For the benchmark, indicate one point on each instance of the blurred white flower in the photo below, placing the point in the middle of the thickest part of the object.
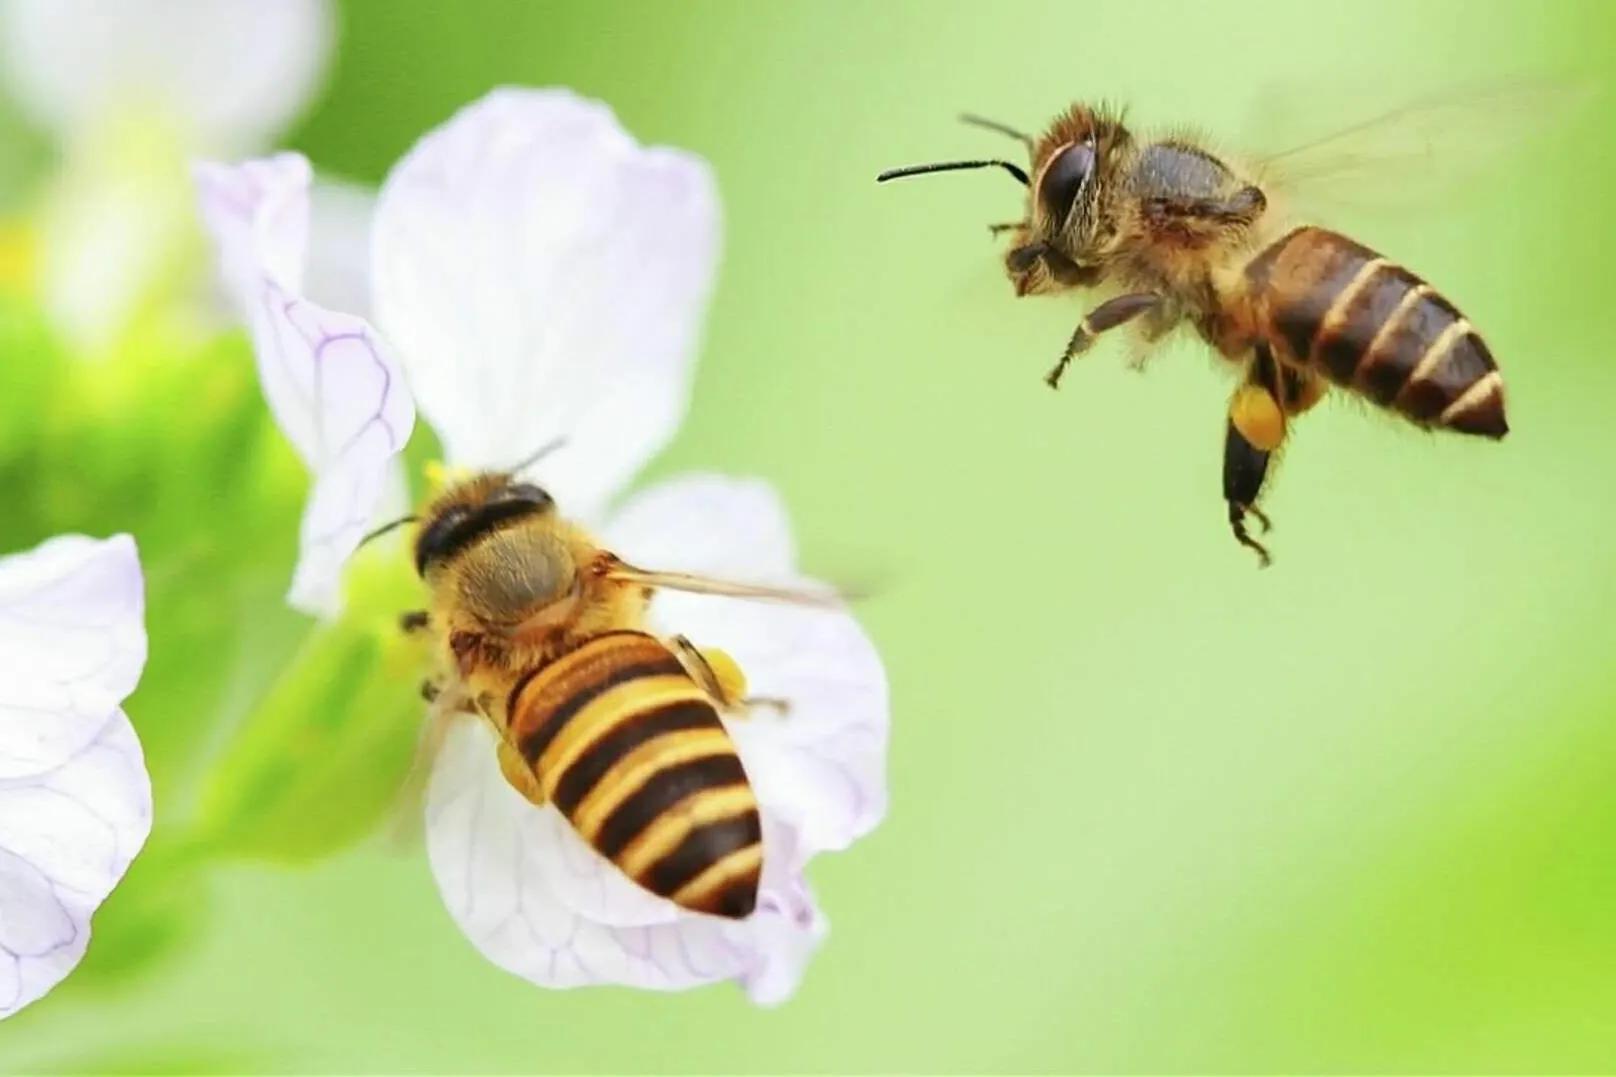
(130, 90)
(541, 276)
(75, 800)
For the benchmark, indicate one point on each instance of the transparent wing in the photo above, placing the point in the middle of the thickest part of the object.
(1409, 154)
(699, 584)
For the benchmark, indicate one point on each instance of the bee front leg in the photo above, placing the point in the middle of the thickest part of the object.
(1108, 315)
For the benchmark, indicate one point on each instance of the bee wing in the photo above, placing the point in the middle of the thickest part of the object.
(698, 584)
(406, 827)
(1410, 154)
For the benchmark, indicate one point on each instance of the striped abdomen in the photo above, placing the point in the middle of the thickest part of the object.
(631, 751)
(1328, 303)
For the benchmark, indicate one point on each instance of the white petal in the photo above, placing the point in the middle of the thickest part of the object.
(732, 528)
(330, 380)
(66, 837)
(258, 215)
(819, 768)
(543, 276)
(339, 245)
(512, 878)
(72, 645)
(230, 72)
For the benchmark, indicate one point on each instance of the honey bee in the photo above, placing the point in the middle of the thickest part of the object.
(1177, 234)
(542, 633)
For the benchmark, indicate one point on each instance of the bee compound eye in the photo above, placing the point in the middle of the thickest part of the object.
(437, 538)
(1064, 179)
(525, 493)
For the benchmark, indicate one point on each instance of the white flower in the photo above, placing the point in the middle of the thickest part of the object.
(540, 275)
(75, 799)
(129, 90)
(333, 384)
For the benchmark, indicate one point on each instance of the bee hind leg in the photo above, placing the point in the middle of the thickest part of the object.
(519, 774)
(717, 673)
(1237, 524)
(1255, 430)
(720, 676)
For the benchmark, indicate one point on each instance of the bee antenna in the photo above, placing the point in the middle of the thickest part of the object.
(951, 166)
(994, 125)
(389, 526)
(538, 454)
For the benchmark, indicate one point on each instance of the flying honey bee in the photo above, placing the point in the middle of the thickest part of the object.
(1176, 234)
(542, 633)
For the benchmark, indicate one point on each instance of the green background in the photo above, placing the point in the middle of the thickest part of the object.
(1152, 809)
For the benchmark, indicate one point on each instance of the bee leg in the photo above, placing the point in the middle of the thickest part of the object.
(414, 621)
(1108, 315)
(714, 670)
(1244, 467)
(1256, 429)
(519, 774)
(1007, 226)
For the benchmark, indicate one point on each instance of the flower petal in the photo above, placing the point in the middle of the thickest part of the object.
(503, 867)
(72, 645)
(66, 837)
(820, 767)
(331, 382)
(727, 527)
(544, 277)
(339, 245)
(72, 63)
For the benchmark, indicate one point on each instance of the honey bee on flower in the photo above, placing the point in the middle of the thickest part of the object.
(653, 760)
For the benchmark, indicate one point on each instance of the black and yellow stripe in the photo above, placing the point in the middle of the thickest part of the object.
(1337, 307)
(631, 751)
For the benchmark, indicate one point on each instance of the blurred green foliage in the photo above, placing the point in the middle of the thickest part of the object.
(1152, 810)
(321, 760)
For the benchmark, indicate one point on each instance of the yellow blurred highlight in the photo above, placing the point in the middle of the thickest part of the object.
(19, 256)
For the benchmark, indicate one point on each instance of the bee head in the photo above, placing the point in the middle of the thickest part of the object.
(495, 544)
(1064, 227)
